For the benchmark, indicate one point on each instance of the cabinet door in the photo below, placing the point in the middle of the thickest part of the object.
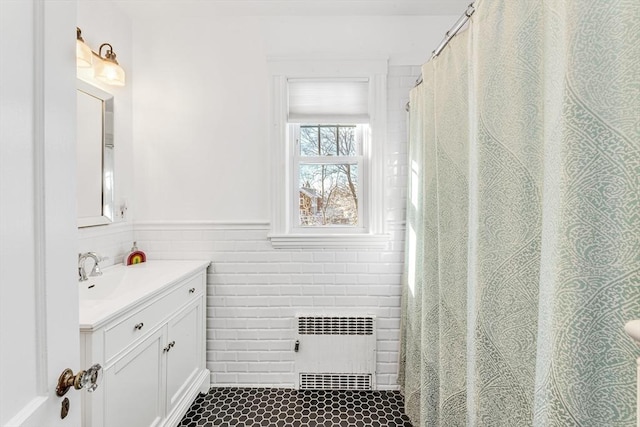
(184, 358)
(133, 386)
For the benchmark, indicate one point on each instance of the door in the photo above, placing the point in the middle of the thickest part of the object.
(38, 239)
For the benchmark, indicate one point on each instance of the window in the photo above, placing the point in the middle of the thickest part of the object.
(328, 167)
(327, 153)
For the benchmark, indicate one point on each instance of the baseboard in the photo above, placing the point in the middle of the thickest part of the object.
(201, 383)
(236, 385)
(289, 386)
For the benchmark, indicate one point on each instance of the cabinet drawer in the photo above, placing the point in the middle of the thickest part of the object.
(120, 335)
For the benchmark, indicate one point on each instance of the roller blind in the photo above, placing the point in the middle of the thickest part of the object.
(328, 100)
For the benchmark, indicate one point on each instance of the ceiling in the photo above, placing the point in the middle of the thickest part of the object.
(304, 7)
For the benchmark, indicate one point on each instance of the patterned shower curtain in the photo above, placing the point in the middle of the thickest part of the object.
(523, 220)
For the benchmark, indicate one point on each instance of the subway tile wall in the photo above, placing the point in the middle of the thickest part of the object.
(111, 241)
(254, 291)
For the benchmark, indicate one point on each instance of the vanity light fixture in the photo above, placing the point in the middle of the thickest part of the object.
(108, 70)
(83, 52)
(105, 68)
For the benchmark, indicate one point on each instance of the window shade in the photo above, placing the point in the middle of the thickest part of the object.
(328, 101)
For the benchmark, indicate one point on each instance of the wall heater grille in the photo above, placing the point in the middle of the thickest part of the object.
(335, 325)
(336, 352)
(335, 382)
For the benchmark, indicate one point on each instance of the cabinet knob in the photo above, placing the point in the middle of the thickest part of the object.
(138, 326)
(192, 290)
(168, 347)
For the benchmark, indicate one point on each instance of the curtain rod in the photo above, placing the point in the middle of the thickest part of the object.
(451, 34)
(448, 36)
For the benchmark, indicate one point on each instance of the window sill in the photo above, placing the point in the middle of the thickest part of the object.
(329, 241)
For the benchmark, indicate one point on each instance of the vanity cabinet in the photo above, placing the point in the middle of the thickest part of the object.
(184, 332)
(133, 386)
(153, 358)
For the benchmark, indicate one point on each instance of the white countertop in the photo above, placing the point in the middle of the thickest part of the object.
(120, 287)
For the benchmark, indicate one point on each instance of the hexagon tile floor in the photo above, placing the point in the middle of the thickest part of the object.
(275, 407)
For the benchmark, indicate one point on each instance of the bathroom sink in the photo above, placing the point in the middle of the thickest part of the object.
(107, 286)
(119, 287)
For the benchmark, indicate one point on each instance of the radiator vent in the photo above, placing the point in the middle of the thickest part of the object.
(335, 382)
(335, 326)
(335, 352)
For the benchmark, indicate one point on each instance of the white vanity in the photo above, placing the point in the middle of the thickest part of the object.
(145, 324)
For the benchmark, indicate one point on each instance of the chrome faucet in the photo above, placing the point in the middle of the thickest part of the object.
(96, 268)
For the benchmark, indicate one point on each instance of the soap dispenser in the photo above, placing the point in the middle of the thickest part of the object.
(136, 256)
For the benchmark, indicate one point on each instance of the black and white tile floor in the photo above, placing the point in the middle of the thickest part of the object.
(272, 407)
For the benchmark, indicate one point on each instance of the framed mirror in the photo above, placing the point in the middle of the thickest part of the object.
(95, 198)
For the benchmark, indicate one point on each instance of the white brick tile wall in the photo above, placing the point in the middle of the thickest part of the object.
(111, 241)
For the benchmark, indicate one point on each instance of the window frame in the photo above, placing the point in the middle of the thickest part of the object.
(284, 207)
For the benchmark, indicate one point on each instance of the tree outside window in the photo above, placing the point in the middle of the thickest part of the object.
(328, 175)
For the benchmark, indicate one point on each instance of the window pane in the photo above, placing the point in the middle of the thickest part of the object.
(309, 141)
(328, 194)
(328, 140)
(347, 141)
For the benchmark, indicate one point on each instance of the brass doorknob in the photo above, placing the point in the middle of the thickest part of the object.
(90, 377)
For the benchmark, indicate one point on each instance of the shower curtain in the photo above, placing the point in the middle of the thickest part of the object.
(523, 220)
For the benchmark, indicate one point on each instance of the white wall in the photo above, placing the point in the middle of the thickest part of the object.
(102, 21)
(201, 173)
(201, 100)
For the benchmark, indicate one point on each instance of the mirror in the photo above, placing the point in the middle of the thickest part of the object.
(95, 156)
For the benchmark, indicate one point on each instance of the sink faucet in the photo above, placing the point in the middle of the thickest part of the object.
(96, 268)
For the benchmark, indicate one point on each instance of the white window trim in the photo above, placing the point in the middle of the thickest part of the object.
(284, 234)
